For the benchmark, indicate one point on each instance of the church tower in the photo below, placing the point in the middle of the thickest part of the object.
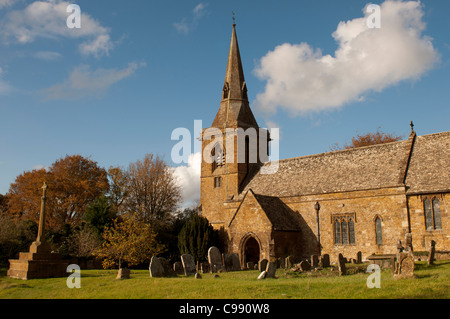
(231, 144)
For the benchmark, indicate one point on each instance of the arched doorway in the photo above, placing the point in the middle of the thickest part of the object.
(251, 250)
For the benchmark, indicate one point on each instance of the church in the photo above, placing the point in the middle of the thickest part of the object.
(345, 202)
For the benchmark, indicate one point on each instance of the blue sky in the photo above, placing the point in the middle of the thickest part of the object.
(115, 89)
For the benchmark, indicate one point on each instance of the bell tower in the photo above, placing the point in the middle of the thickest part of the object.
(230, 146)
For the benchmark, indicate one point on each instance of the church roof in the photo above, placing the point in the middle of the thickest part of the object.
(429, 168)
(280, 216)
(426, 168)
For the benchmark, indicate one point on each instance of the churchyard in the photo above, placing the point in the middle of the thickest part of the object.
(429, 282)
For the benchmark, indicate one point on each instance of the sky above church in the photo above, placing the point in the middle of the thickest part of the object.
(117, 87)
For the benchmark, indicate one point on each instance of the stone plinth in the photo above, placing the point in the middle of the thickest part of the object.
(38, 263)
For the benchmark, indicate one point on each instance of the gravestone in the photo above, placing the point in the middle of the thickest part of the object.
(314, 261)
(432, 252)
(340, 256)
(156, 268)
(305, 266)
(325, 261)
(250, 265)
(178, 268)
(262, 275)
(168, 270)
(215, 259)
(342, 268)
(197, 276)
(404, 266)
(188, 264)
(124, 273)
(262, 265)
(205, 268)
(408, 243)
(359, 257)
(231, 262)
(270, 270)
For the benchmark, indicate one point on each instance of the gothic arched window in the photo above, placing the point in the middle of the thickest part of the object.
(432, 211)
(378, 231)
(344, 229)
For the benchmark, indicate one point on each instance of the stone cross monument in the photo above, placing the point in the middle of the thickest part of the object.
(39, 262)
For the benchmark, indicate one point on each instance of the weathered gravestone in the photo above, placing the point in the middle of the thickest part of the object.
(432, 252)
(305, 266)
(325, 260)
(156, 268)
(188, 264)
(178, 268)
(168, 270)
(124, 273)
(215, 259)
(271, 269)
(231, 262)
(314, 261)
(262, 265)
(404, 266)
(359, 257)
(250, 265)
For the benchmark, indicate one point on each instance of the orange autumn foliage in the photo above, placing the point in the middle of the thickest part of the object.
(73, 182)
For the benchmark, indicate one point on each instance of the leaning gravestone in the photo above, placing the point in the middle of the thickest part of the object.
(270, 270)
(188, 264)
(156, 268)
(215, 259)
(124, 273)
(262, 275)
(262, 265)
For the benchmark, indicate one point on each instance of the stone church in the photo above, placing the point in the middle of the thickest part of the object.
(358, 200)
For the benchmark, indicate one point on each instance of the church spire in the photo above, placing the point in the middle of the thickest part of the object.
(234, 86)
(234, 107)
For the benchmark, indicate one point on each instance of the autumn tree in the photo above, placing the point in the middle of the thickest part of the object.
(130, 240)
(118, 187)
(73, 181)
(367, 140)
(153, 192)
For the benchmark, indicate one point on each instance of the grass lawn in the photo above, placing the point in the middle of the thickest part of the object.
(430, 282)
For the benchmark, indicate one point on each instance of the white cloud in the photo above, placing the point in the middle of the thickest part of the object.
(187, 24)
(301, 79)
(83, 82)
(6, 3)
(189, 178)
(39, 167)
(47, 55)
(47, 19)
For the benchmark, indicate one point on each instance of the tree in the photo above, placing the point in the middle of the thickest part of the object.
(73, 181)
(196, 237)
(152, 189)
(83, 242)
(99, 214)
(118, 190)
(366, 140)
(130, 241)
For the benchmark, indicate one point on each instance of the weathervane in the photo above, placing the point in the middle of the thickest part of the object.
(234, 18)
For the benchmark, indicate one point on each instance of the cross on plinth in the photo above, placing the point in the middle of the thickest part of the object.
(40, 245)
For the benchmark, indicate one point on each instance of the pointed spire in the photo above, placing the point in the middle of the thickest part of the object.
(234, 87)
(234, 108)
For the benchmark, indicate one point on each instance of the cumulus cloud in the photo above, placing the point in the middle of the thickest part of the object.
(187, 24)
(47, 19)
(189, 178)
(301, 79)
(6, 3)
(47, 55)
(84, 82)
